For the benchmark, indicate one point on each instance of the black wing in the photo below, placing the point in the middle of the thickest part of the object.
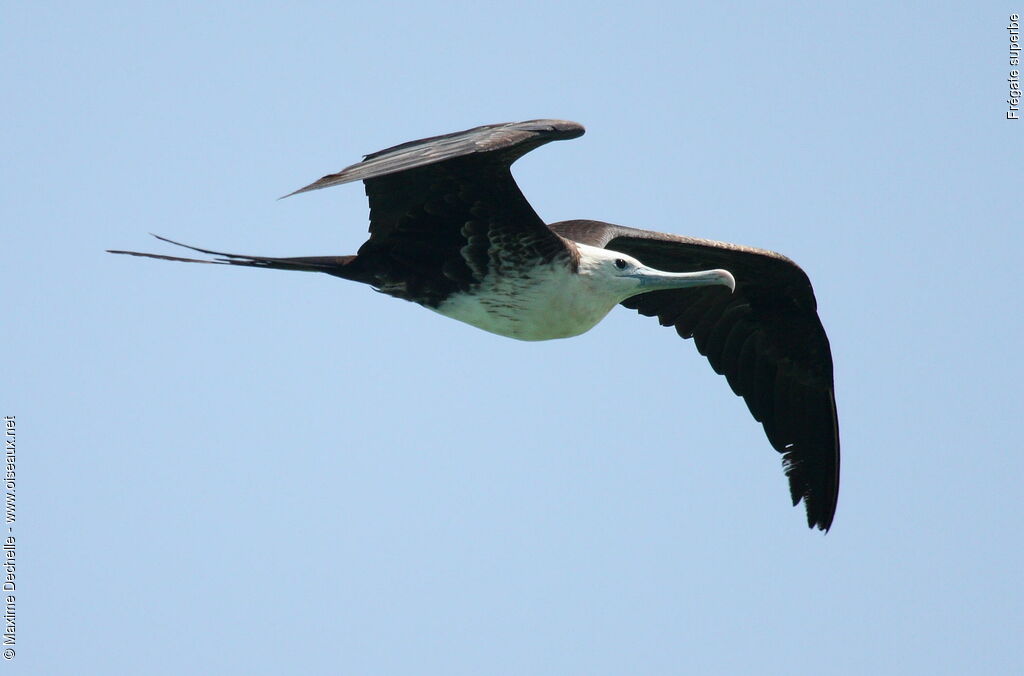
(445, 210)
(766, 339)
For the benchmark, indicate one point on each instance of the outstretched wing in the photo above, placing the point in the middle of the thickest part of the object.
(445, 210)
(506, 143)
(765, 338)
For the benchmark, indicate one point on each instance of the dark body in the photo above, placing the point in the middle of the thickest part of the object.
(447, 221)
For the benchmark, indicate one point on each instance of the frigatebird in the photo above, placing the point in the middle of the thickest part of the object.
(451, 231)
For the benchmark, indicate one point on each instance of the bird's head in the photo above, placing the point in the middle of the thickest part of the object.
(626, 276)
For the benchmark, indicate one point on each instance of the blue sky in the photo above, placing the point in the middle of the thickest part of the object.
(244, 471)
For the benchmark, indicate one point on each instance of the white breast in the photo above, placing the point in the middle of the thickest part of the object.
(541, 303)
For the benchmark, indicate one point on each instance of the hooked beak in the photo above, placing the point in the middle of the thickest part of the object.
(656, 280)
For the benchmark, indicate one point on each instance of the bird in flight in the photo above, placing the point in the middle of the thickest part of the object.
(451, 231)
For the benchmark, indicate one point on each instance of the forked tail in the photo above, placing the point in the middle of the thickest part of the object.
(332, 265)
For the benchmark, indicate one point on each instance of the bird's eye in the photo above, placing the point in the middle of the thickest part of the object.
(620, 263)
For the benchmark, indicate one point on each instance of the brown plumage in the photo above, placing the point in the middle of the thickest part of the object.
(448, 223)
